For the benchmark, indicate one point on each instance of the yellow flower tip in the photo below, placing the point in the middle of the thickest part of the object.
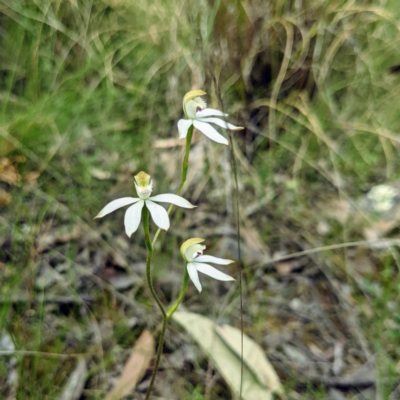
(142, 179)
(192, 94)
(188, 243)
(191, 102)
(144, 185)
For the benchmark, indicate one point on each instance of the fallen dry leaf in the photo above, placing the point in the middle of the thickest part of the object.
(379, 229)
(8, 173)
(283, 268)
(137, 363)
(100, 174)
(253, 356)
(223, 345)
(288, 266)
(5, 197)
(31, 177)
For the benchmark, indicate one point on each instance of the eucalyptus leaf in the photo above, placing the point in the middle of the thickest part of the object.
(223, 345)
(253, 356)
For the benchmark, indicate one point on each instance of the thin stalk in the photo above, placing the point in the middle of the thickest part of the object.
(237, 215)
(145, 220)
(182, 292)
(235, 194)
(158, 356)
(165, 320)
(185, 167)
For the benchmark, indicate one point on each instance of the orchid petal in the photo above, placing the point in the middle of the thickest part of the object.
(221, 123)
(211, 271)
(194, 276)
(209, 131)
(132, 218)
(173, 199)
(159, 215)
(212, 259)
(115, 204)
(183, 127)
(208, 112)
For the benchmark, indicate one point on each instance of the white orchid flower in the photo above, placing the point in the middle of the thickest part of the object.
(195, 109)
(192, 252)
(133, 214)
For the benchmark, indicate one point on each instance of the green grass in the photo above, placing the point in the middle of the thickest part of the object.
(88, 88)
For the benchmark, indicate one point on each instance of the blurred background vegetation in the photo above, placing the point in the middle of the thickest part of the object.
(90, 94)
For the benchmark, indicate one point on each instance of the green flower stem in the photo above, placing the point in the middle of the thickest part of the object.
(178, 301)
(158, 356)
(185, 167)
(165, 320)
(185, 163)
(145, 220)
